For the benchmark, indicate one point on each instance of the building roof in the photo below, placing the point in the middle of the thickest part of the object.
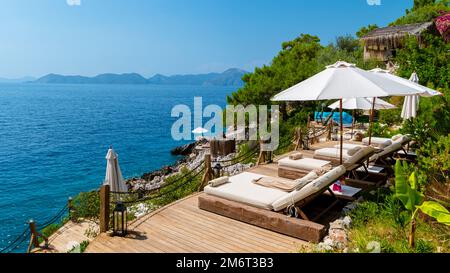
(392, 36)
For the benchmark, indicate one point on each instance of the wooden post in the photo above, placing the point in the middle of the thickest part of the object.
(298, 145)
(34, 234)
(208, 175)
(104, 208)
(371, 120)
(262, 154)
(330, 127)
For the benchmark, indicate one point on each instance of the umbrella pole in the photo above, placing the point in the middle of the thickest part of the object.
(371, 120)
(353, 121)
(342, 129)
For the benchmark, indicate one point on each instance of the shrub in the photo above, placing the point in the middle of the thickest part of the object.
(86, 205)
(364, 212)
(390, 117)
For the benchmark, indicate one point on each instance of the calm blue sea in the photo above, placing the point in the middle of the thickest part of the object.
(54, 138)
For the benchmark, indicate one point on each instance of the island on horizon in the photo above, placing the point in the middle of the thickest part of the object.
(230, 77)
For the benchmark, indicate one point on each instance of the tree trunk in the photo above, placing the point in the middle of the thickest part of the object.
(412, 242)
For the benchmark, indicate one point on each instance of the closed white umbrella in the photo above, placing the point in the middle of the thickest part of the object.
(113, 176)
(340, 81)
(411, 103)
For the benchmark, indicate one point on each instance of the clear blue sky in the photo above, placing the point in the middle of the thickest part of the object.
(168, 36)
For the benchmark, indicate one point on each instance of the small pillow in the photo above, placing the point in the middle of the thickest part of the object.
(396, 137)
(296, 156)
(353, 150)
(323, 170)
(218, 181)
(305, 180)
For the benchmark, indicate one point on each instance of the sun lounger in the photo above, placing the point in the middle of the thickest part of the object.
(242, 189)
(246, 201)
(349, 158)
(383, 142)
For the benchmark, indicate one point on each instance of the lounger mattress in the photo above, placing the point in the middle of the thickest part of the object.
(332, 153)
(307, 164)
(242, 189)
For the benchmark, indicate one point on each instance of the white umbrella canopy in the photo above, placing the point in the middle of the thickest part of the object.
(362, 104)
(344, 80)
(113, 176)
(413, 83)
(199, 130)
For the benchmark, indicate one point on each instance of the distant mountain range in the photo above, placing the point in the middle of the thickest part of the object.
(19, 80)
(230, 77)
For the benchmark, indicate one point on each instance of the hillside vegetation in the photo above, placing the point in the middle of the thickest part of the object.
(305, 56)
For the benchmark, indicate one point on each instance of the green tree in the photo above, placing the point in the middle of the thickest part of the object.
(364, 30)
(294, 63)
(422, 3)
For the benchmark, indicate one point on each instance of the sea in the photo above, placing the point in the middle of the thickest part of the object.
(54, 138)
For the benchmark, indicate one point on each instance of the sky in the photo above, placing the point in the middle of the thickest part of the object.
(89, 37)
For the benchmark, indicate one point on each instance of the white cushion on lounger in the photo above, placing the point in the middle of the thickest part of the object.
(389, 149)
(378, 141)
(348, 146)
(241, 189)
(310, 189)
(360, 154)
(307, 164)
(402, 140)
(332, 152)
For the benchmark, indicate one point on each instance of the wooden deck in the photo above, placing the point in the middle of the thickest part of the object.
(183, 227)
(67, 236)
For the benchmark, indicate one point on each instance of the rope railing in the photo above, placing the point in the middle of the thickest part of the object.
(238, 157)
(146, 192)
(17, 242)
(53, 219)
(161, 194)
(27, 233)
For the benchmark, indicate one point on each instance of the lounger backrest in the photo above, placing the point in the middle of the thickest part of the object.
(319, 184)
(402, 140)
(359, 155)
(387, 151)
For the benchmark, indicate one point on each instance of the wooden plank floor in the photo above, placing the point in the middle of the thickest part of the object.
(183, 227)
(67, 236)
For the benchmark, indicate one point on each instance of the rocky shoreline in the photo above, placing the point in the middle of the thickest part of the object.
(191, 158)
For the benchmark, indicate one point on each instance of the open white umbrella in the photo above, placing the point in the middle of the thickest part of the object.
(199, 130)
(341, 81)
(113, 176)
(411, 101)
(362, 104)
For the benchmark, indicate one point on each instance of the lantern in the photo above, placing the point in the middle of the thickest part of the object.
(217, 169)
(120, 220)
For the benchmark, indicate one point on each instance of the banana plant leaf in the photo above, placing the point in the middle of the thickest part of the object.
(405, 189)
(436, 211)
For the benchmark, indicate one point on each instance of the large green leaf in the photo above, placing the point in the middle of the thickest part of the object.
(437, 211)
(408, 196)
